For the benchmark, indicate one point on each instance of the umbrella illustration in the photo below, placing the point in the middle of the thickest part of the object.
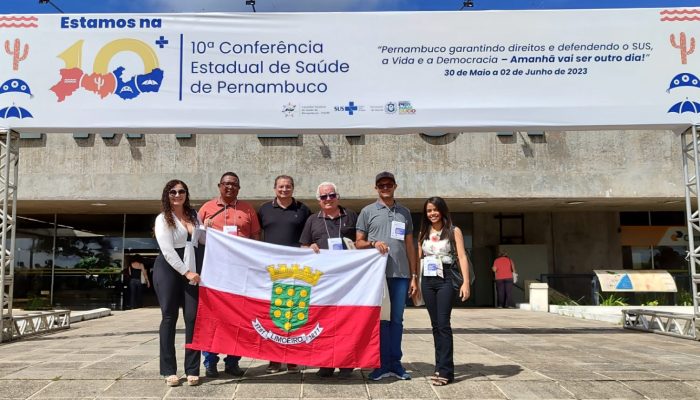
(15, 112)
(684, 79)
(15, 85)
(685, 106)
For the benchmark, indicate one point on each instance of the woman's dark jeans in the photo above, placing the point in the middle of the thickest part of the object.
(439, 296)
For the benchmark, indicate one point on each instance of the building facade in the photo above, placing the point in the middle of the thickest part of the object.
(562, 203)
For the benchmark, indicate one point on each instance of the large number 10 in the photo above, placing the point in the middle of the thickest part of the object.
(73, 55)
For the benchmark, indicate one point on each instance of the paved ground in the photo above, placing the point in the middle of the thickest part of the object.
(500, 354)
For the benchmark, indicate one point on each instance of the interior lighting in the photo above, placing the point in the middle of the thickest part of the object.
(467, 4)
(98, 204)
(575, 202)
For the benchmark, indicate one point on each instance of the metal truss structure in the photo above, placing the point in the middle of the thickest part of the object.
(665, 323)
(691, 172)
(39, 322)
(9, 158)
(675, 324)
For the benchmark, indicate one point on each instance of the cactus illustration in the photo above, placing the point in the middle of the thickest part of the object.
(682, 46)
(99, 82)
(15, 53)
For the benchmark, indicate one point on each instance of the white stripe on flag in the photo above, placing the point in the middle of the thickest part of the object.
(239, 266)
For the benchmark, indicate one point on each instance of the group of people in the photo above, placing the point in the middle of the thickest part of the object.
(384, 225)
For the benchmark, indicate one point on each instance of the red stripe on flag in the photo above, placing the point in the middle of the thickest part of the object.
(349, 339)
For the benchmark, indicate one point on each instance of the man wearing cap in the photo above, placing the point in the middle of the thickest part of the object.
(327, 230)
(387, 226)
(228, 214)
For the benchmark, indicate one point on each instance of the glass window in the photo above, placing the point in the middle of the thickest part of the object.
(140, 241)
(668, 218)
(658, 257)
(33, 261)
(89, 260)
(653, 218)
(139, 233)
(634, 218)
(636, 257)
(670, 257)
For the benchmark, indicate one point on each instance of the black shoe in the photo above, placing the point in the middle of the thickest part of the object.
(212, 372)
(345, 373)
(273, 368)
(234, 370)
(325, 372)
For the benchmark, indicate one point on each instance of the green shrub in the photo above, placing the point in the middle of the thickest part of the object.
(37, 303)
(612, 300)
(684, 298)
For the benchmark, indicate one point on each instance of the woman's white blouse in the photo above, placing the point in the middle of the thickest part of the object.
(170, 239)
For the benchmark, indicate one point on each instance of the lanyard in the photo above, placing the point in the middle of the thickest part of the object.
(340, 229)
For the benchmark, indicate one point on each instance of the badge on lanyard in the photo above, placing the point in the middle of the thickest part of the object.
(398, 230)
(335, 244)
(231, 230)
(432, 266)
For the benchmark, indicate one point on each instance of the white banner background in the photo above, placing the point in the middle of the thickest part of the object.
(508, 69)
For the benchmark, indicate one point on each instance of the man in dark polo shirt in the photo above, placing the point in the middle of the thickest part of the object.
(326, 230)
(282, 221)
(283, 218)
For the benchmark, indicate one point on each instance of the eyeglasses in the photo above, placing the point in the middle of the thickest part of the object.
(230, 184)
(174, 192)
(385, 186)
(329, 196)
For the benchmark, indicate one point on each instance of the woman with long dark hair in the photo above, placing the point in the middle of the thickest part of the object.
(175, 278)
(440, 247)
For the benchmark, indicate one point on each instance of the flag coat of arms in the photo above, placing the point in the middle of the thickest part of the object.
(290, 305)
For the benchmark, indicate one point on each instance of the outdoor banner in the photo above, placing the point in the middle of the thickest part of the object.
(649, 236)
(635, 281)
(288, 304)
(362, 72)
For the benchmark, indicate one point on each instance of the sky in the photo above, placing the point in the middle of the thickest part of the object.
(168, 6)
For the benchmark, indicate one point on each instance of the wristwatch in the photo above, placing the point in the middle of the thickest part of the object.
(372, 243)
(414, 275)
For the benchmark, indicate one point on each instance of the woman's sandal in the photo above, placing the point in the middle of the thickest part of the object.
(437, 380)
(193, 380)
(440, 381)
(172, 380)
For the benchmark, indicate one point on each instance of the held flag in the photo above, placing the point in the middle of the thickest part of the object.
(288, 304)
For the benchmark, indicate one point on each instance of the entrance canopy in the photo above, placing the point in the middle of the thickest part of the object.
(351, 72)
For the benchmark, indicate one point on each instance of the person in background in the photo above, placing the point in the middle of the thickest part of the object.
(228, 214)
(504, 268)
(326, 230)
(440, 247)
(282, 221)
(138, 276)
(175, 278)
